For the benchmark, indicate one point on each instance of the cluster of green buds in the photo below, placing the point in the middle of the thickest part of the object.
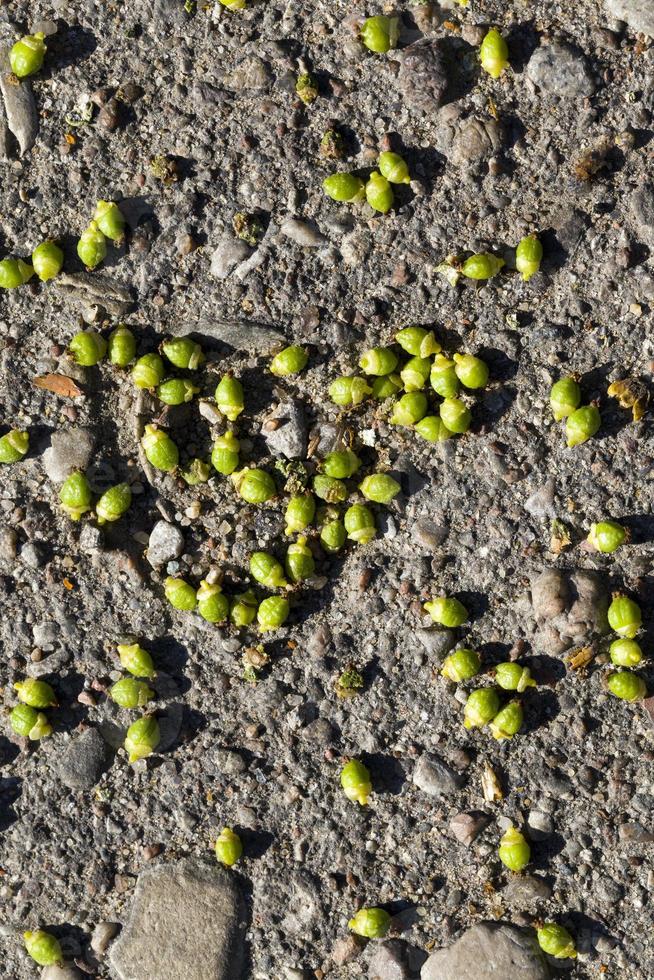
(483, 708)
(482, 266)
(76, 498)
(581, 421)
(108, 222)
(625, 619)
(14, 445)
(132, 692)
(377, 189)
(150, 372)
(27, 718)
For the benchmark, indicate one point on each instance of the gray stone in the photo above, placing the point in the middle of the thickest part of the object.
(638, 14)
(526, 892)
(91, 538)
(475, 140)
(423, 74)
(570, 608)
(290, 438)
(7, 543)
(33, 554)
(87, 289)
(641, 204)
(188, 914)
(69, 450)
(434, 777)
(437, 642)
(303, 232)
(101, 937)
(549, 594)
(166, 542)
(388, 961)
(227, 255)
(241, 335)
(19, 109)
(559, 70)
(541, 825)
(488, 951)
(83, 760)
(429, 535)
(466, 827)
(66, 972)
(252, 74)
(45, 634)
(541, 502)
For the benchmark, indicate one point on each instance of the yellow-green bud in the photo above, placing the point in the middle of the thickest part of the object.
(582, 424)
(75, 495)
(234, 4)
(341, 465)
(461, 665)
(380, 33)
(565, 397)
(224, 455)
(378, 361)
(266, 570)
(355, 780)
(508, 721)
(333, 536)
(344, 187)
(432, 428)
(131, 693)
(182, 352)
(29, 723)
(300, 563)
(87, 348)
(14, 272)
(35, 693)
(624, 616)
(494, 53)
(409, 409)
(306, 87)
(228, 847)
(92, 246)
(393, 168)
(625, 653)
(255, 486)
(176, 391)
(379, 193)
(135, 660)
(417, 341)
(447, 612)
(379, 487)
(328, 489)
(387, 386)
(415, 373)
(482, 266)
(113, 503)
(142, 738)
(212, 604)
(122, 346)
(14, 445)
(42, 946)
(300, 511)
(272, 613)
(627, 686)
(371, 923)
(528, 257)
(243, 609)
(180, 594)
(349, 683)
(47, 260)
(149, 371)
(514, 851)
(360, 524)
(481, 707)
(349, 391)
(443, 377)
(159, 449)
(291, 360)
(471, 371)
(26, 56)
(229, 397)
(110, 220)
(196, 472)
(607, 536)
(512, 677)
(556, 941)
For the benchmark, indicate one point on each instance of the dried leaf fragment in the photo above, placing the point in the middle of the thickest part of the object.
(631, 393)
(580, 657)
(59, 384)
(490, 784)
(559, 537)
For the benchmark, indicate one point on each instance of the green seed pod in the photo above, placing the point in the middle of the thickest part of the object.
(333, 536)
(14, 272)
(29, 723)
(47, 260)
(371, 923)
(234, 4)
(443, 377)
(142, 738)
(122, 347)
(42, 946)
(243, 609)
(26, 56)
(229, 397)
(255, 486)
(228, 847)
(176, 391)
(512, 677)
(212, 604)
(447, 612)
(196, 472)
(417, 341)
(378, 361)
(481, 707)
(92, 246)
(349, 391)
(224, 455)
(494, 54)
(75, 495)
(35, 693)
(556, 941)
(607, 536)
(624, 616)
(461, 665)
(582, 425)
(306, 87)
(455, 414)
(380, 33)
(380, 488)
(267, 571)
(87, 348)
(627, 686)
(507, 722)
(379, 193)
(113, 503)
(300, 563)
(625, 653)
(341, 465)
(359, 523)
(393, 168)
(110, 220)
(130, 693)
(180, 594)
(325, 514)
(482, 266)
(149, 371)
(565, 397)
(160, 450)
(409, 409)
(355, 780)
(386, 387)
(415, 373)
(471, 371)
(184, 353)
(14, 445)
(344, 187)
(135, 660)
(432, 428)
(272, 613)
(328, 489)
(514, 851)
(291, 360)
(300, 511)
(528, 257)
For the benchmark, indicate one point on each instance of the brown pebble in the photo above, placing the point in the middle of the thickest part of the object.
(85, 697)
(109, 116)
(152, 851)
(36, 656)
(364, 578)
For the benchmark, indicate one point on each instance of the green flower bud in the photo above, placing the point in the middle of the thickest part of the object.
(455, 414)
(35, 693)
(291, 360)
(26, 56)
(160, 450)
(514, 851)
(582, 424)
(110, 220)
(87, 348)
(379, 487)
(512, 677)
(627, 686)
(393, 168)
(142, 738)
(135, 660)
(196, 472)
(333, 536)
(508, 721)
(349, 391)
(409, 409)
(481, 707)
(329, 489)
(47, 260)
(122, 346)
(447, 611)
(625, 653)
(266, 570)
(182, 352)
(432, 428)
(607, 536)
(371, 923)
(482, 266)
(92, 246)
(212, 604)
(471, 371)
(113, 503)
(306, 87)
(360, 524)
(229, 397)
(443, 377)
(180, 594)
(243, 609)
(355, 780)
(417, 341)
(42, 946)
(415, 373)
(149, 371)
(379, 193)
(14, 272)
(528, 257)
(624, 616)
(228, 847)
(461, 665)
(176, 391)
(386, 387)
(380, 33)
(234, 4)
(494, 54)
(75, 495)
(255, 486)
(565, 397)
(341, 465)
(300, 563)
(224, 455)
(344, 187)
(130, 693)
(556, 941)
(378, 361)
(29, 723)
(300, 511)
(14, 445)
(272, 613)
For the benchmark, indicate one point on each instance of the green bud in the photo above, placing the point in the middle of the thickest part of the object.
(224, 455)
(35, 693)
(234, 4)
(113, 503)
(122, 346)
(47, 260)
(393, 168)
(42, 946)
(229, 397)
(582, 424)
(27, 55)
(333, 536)
(255, 486)
(556, 941)
(87, 348)
(482, 266)
(349, 391)
(432, 428)
(481, 707)
(300, 563)
(565, 397)
(306, 87)
(447, 612)
(512, 677)
(196, 472)
(380, 33)
(409, 409)
(160, 450)
(607, 536)
(415, 373)
(455, 414)
(184, 353)
(110, 220)
(14, 272)
(417, 341)
(135, 660)
(130, 693)
(92, 246)
(378, 361)
(627, 686)
(341, 465)
(443, 377)
(75, 495)
(494, 53)
(371, 923)
(625, 653)
(272, 613)
(180, 594)
(142, 738)
(344, 187)
(471, 371)
(379, 193)
(360, 524)
(528, 257)
(266, 570)
(149, 371)
(355, 780)
(508, 721)
(243, 609)
(379, 487)
(228, 847)
(386, 387)
(461, 665)
(176, 391)
(514, 851)
(300, 511)
(212, 604)
(291, 360)
(29, 723)
(328, 489)
(14, 445)
(624, 616)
